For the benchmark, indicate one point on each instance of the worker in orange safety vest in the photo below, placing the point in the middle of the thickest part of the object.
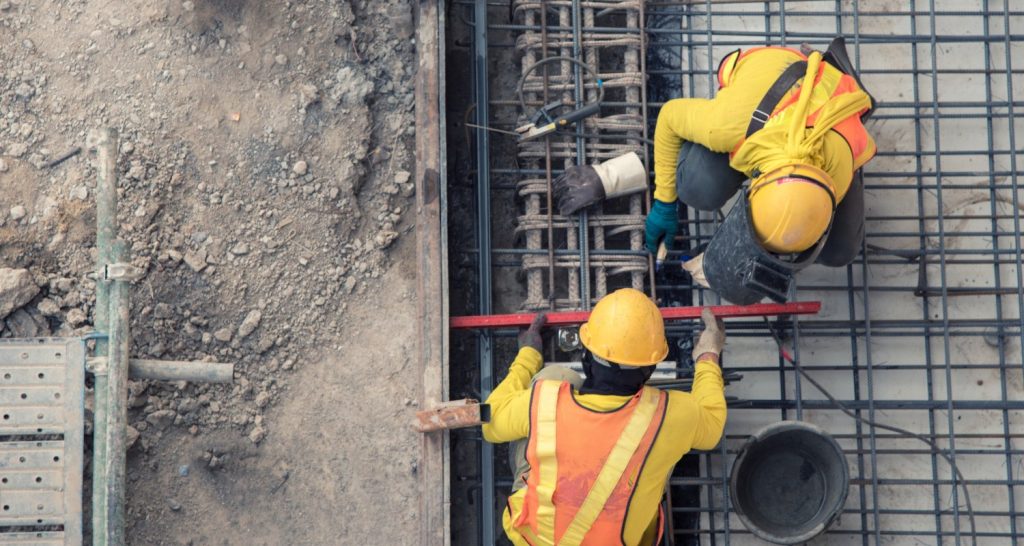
(591, 456)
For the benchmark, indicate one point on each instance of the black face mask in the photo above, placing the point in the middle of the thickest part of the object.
(612, 378)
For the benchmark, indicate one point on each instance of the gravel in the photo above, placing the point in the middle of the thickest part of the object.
(249, 324)
(251, 255)
(16, 289)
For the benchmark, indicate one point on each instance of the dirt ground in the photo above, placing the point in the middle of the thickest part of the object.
(266, 151)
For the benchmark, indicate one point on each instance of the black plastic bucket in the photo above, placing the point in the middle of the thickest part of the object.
(789, 482)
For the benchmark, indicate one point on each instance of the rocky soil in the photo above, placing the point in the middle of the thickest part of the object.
(264, 166)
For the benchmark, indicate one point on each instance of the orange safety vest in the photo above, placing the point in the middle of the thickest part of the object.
(584, 465)
(830, 82)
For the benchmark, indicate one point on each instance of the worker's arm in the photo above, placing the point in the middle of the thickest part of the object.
(709, 395)
(698, 416)
(510, 401)
(676, 124)
(716, 124)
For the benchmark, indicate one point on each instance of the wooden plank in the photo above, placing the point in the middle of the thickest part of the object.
(467, 412)
(431, 260)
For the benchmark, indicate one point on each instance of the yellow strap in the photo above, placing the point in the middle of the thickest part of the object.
(837, 110)
(775, 147)
(799, 119)
(613, 468)
(548, 472)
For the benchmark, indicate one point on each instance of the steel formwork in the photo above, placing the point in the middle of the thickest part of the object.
(922, 332)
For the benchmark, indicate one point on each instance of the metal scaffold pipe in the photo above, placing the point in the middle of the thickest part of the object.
(174, 370)
(105, 143)
(115, 437)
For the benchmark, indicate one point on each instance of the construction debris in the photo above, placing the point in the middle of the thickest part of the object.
(252, 320)
(211, 130)
(16, 289)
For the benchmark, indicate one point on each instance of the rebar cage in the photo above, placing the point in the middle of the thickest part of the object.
(923, 331)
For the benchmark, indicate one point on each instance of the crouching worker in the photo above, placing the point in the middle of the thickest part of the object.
(789, 120)
(591, 456)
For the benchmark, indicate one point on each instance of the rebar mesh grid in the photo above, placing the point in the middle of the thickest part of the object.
(576, 279)
(923, 331)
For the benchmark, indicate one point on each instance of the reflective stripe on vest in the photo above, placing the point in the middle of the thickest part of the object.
(829, 83)
(544, 488)
(584, 503)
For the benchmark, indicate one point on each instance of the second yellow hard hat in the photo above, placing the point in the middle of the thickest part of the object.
(626, 328)
(791, 208)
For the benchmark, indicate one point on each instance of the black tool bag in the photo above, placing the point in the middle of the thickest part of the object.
(740, 270)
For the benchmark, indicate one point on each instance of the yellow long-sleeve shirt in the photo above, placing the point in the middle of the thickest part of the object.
(719, 124)
(693, 420)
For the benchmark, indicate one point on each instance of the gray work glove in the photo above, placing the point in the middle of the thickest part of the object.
(712, 339)
(578, 187)
(531, 337)
(581, 186)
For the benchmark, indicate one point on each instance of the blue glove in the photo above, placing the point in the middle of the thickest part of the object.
(662, 222)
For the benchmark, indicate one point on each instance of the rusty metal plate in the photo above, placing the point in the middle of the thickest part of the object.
(41, 440)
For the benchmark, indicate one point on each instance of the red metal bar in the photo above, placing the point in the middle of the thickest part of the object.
(572, 318)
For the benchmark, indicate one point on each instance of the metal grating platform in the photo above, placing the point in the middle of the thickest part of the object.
(923, 331)
(41, 441)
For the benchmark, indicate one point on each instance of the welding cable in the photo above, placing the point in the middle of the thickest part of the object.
(876, 425)
(534, 66)
(596, 136)
(492, 129)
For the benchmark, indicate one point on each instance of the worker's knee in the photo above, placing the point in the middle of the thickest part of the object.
(847, 233)
(559, 373)
(704, 179)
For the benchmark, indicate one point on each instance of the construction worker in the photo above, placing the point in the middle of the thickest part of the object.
(799, 144)
(591, 456)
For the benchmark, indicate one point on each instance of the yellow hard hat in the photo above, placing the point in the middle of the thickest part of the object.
(626, 328)
(791, 207)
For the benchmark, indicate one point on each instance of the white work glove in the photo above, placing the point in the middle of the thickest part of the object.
(584, 185)
(712, 339)
(695, 267)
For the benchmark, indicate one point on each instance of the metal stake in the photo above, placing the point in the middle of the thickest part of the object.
(106, 146)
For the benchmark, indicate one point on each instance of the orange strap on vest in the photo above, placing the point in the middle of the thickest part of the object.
(551, 515)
